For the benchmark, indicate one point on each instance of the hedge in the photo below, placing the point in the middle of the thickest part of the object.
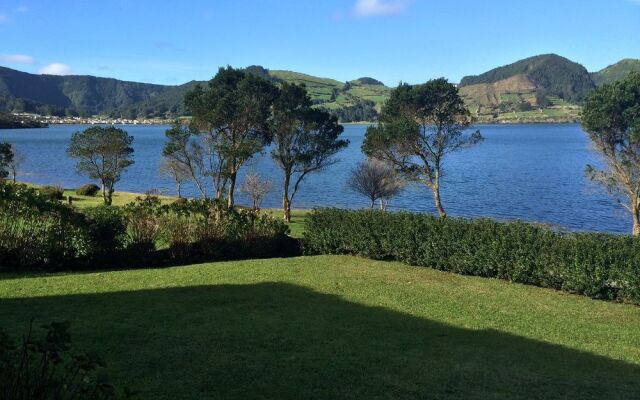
(597, 265)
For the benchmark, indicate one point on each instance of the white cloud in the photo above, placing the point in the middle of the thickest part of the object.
(374, 8)
(17, 59)
(55, 69)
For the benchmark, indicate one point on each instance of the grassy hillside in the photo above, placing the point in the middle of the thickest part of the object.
(335, 327)
(615, 71)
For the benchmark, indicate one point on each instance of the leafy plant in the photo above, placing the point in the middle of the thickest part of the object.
(43, 369)
(90, 189)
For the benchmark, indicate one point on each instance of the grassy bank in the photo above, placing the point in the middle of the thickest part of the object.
(336, 327)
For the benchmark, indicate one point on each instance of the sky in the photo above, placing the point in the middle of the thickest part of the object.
(172, 42)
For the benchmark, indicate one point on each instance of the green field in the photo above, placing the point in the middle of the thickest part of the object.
(335, 327)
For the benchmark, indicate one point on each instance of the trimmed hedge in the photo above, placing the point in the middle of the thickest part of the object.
(597, 265)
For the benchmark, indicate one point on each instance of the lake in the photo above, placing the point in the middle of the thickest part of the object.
(527, 172)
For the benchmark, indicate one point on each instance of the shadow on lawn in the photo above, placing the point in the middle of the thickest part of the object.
(280, 341)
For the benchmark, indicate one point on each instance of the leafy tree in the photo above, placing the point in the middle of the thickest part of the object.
(419, 126)
(611, 117)
(103, 153)
(375, 180)
(235, 108)
(305, 139)
(6, 158)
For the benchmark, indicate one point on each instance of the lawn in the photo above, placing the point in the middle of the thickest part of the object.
(336, 327)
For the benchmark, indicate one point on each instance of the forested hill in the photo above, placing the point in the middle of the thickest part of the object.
(357, 100)
(557, 75)
(615, 71)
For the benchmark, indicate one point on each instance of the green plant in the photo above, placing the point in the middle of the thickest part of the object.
(52, 192)
(90, 189)
(596, 265)
(43, 369)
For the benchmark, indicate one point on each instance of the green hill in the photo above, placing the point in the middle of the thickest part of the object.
(90, 95)
(615, 71)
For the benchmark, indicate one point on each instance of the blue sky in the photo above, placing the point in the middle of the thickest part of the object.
(171, 42)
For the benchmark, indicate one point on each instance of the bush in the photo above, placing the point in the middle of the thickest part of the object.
(37, 232)
(43, 368)
(107, 228)
(90, 189)
(52, 192)
(597, 265)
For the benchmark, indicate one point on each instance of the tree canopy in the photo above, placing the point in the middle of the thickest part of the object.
(103, 153)
(611, 118)
(305, 139)
(419, 126)
(235, 108)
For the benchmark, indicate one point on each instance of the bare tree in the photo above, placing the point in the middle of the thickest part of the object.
(17, 161)
(175, 170)
(375, 180)
(256, 188)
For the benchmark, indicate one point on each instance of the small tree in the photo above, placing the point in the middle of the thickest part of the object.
(375, 180)
(419, 126)
(178, 172)
(181, 149)
(15, 164)
(6, 158)
(256, 188)
(103, 153)
(611, 118)
(304, 140)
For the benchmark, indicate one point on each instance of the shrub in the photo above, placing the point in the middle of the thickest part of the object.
(43, 368)
(38, 232)
(90, 189)
(52, 192)
(106, 227)
(597, 265)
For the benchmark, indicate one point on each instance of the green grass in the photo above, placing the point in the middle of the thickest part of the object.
(298, 218)
(336, 327)
(119, 198)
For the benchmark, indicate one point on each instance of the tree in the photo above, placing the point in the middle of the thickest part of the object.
(182, 149)
(175, 170)
(256, 188)
(419, 126)
(6, 158)
(375, 180)
(611, 118)
(234, 108)
(304, 140)
(103, 153)
(15, 164)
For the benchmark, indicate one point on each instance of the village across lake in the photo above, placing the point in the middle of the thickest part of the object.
(528, 172)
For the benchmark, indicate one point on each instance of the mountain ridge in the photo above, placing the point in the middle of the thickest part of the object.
(539, 88)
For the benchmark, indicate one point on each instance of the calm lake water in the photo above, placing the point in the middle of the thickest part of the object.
(527, 172)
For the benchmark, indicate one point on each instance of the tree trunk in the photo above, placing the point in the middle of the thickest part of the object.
(178, 189)
(232, 187)
(286, 204)
(635, 210)
(438, 202)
